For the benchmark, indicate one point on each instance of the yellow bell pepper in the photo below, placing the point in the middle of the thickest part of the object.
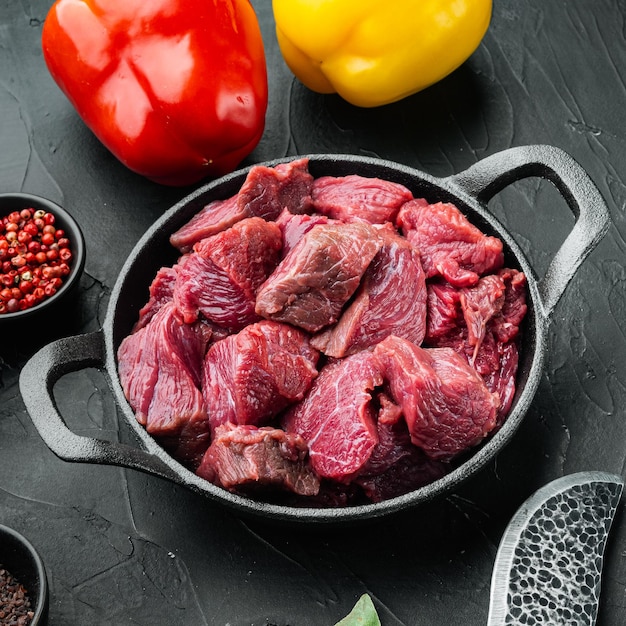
(373, 52)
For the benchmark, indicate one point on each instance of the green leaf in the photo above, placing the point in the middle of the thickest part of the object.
(363, 614)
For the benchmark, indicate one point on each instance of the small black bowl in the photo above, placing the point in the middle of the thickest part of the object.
(19, 557)
(10, 202)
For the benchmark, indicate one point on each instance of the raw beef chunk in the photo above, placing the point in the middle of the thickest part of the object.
(269, 190)
(391, 300)
(444, 318)
(396, 466)
(159, 368)
(220, 277)
(250, 377)
(294, 227)
(161, 291)
(338, 417)
(449, 245)
(212, 219)
(460, 318)
(497, 361)
(247, 456)
(265, 192)
(482, 323)
(506, 324)
(313, 282)
(445, 402)
(354, 197)
(500, 376)
(479, 305)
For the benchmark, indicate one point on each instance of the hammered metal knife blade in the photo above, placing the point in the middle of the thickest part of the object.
(549, 562)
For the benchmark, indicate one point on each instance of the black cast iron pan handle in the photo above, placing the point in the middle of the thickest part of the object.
(481, 181)
(37, 380)
(492, 174)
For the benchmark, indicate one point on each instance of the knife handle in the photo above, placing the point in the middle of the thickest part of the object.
(548, 567)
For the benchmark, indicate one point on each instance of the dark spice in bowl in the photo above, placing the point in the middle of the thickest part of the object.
(15, 605)
(23, 581)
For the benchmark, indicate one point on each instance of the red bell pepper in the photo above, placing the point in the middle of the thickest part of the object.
(175, 89)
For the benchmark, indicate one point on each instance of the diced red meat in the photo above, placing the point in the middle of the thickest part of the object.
(391, 300)
(250, 377)
(496, 306)
(294, 227)
(449, 245)
(215, 217)
(396, 465)
(507, 324)
(505, 329)
(480, 304)
(159, 369)
(337, 418)
(411, 470)
(161, 291)
(268, 190)
(219, 279)
(315, 280)
(241, 457)
(445, 402)
(355, 197)
(392, 430)
(444, 318)
(501, 379)
(461, 318)
(264, 193)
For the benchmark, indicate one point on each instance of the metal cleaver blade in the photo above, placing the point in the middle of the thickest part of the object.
(549, 562)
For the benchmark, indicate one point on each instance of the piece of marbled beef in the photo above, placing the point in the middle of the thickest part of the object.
(161, 290)
(319, 275)
(396, 465)
(337, 417)
(391, 300)
(445, 402)
(251, 376)
(265, 192)
(159, 367)
(294, 227)
(244, 457)
(353, 197)
(482, 323)
(220, 277)
(449, 245)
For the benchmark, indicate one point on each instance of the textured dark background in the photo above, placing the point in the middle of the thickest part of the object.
(125, 548)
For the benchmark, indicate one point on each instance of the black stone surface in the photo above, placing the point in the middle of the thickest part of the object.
(122, 547)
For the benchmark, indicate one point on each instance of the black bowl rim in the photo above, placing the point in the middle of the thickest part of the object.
(478, 459)
(41, 601)
(77, 243)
